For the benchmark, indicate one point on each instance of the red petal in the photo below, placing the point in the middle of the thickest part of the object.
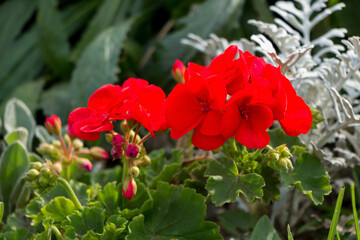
(217, 92)
(205, 142)
(250, 138)
(211, 125)
(103, 98)
(260, 117)
(297, 117)
(231, 120)
(183, 110)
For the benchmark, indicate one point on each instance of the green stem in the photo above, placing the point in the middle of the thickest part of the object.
(233, 144)
(336, 215)
(57, 233)
(357, 183)
(71, 192)
(125, 169)
(66, 170)
(256, 154)
(356, 219)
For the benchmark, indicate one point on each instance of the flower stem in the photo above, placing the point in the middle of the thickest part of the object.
(57, 233)
(144, 138)
(136, 132)
(71, 192)
(63, 144)
(66, 170)
(233, 144)
(125, 169)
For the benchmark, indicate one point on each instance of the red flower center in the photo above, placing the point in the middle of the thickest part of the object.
(244, 111)
(204, 107)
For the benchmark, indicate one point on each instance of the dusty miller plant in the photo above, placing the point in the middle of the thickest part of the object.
(325, 73)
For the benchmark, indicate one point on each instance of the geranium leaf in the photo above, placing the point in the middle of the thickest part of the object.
(309, 176)
(272, 184)
(109, 197)
(58, 209)
(278, 137)
(94, 218)
(174, 212)
(232, 220)
(264, 230)
(19, 134)
(224, 183)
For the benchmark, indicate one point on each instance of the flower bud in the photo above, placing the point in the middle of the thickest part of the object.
(57, 167)
(98, 153)
(45, 171)
(177, 71)
(53, 124)
(124, 126)
(279, 158)
(32, 174)
(135, 171)
(117, 141)
(317, 117)
(109, 137)
(129, 188)
(84, 163)
(56, 143)
(77, 144)
(36, 165)
(116, 153)
(43, 181)
(132, 151)
(67, 139)
(145, 161)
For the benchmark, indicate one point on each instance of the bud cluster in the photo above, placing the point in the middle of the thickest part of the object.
(41, 176)
(279, 158)
(67, 149)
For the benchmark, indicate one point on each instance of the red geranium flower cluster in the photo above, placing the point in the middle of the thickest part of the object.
(135, 99)
(237, 95)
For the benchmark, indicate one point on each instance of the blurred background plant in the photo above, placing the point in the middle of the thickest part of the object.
(56, 53)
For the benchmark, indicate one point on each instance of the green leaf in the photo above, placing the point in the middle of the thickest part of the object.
(98, 63)
(94, 218)
(264, 230)
(52, 37)
(232, 220)
(1, 211)
(19, 134)
(336, 215)
(13, 16)
(309, 176)
(272, 184)
(211, 16)
(104, 18)
(19, 234)
(57, 100)
(290, 236)
(174, 212)
(225, 183)
(13, 164)
(58, 209)
(43, 134)
(105, 176)
(17, 114)
(278, 137)
(109, 197)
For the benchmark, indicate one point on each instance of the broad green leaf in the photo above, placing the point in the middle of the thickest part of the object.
(109, 197)
(58, 209)
(174, 212)
(225, 183)
(52, 37)
(29, 93)
(98, 63)
(103, 19)
(19, 134)
(264, 230)
(197, 179)
(105, 176)
(1, 211)
(57, 100)
(17, 114)
(234, 220)
(208, 17)
(272, 184)
(278, 137)
(13, 164)
(94, 218)
(15, 221)
(13, 16)
(309, 176)
(19, 234)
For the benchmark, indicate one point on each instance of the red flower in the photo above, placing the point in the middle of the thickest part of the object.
(247, 119)
(149, 106)
(232, 68)
(53, 124)
(104, 105)
(129, 188)
(198, 105)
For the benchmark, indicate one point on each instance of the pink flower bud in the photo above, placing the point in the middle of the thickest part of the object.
(116, 153)
(98, 153)
(132, 151)
(57, 167)
(53, 124)
(177, 71)
(84, 163)
(117, 141)
(129, 188)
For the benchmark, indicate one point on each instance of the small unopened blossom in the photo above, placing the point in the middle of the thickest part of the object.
(129, 188)
(117, 141)
(53, 124)
(279, 158)
(116, 153)
(84, 163)
(132, 151)
(177, 71)
(98, 153)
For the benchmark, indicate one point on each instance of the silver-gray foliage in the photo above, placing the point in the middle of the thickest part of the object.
(328, 84)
